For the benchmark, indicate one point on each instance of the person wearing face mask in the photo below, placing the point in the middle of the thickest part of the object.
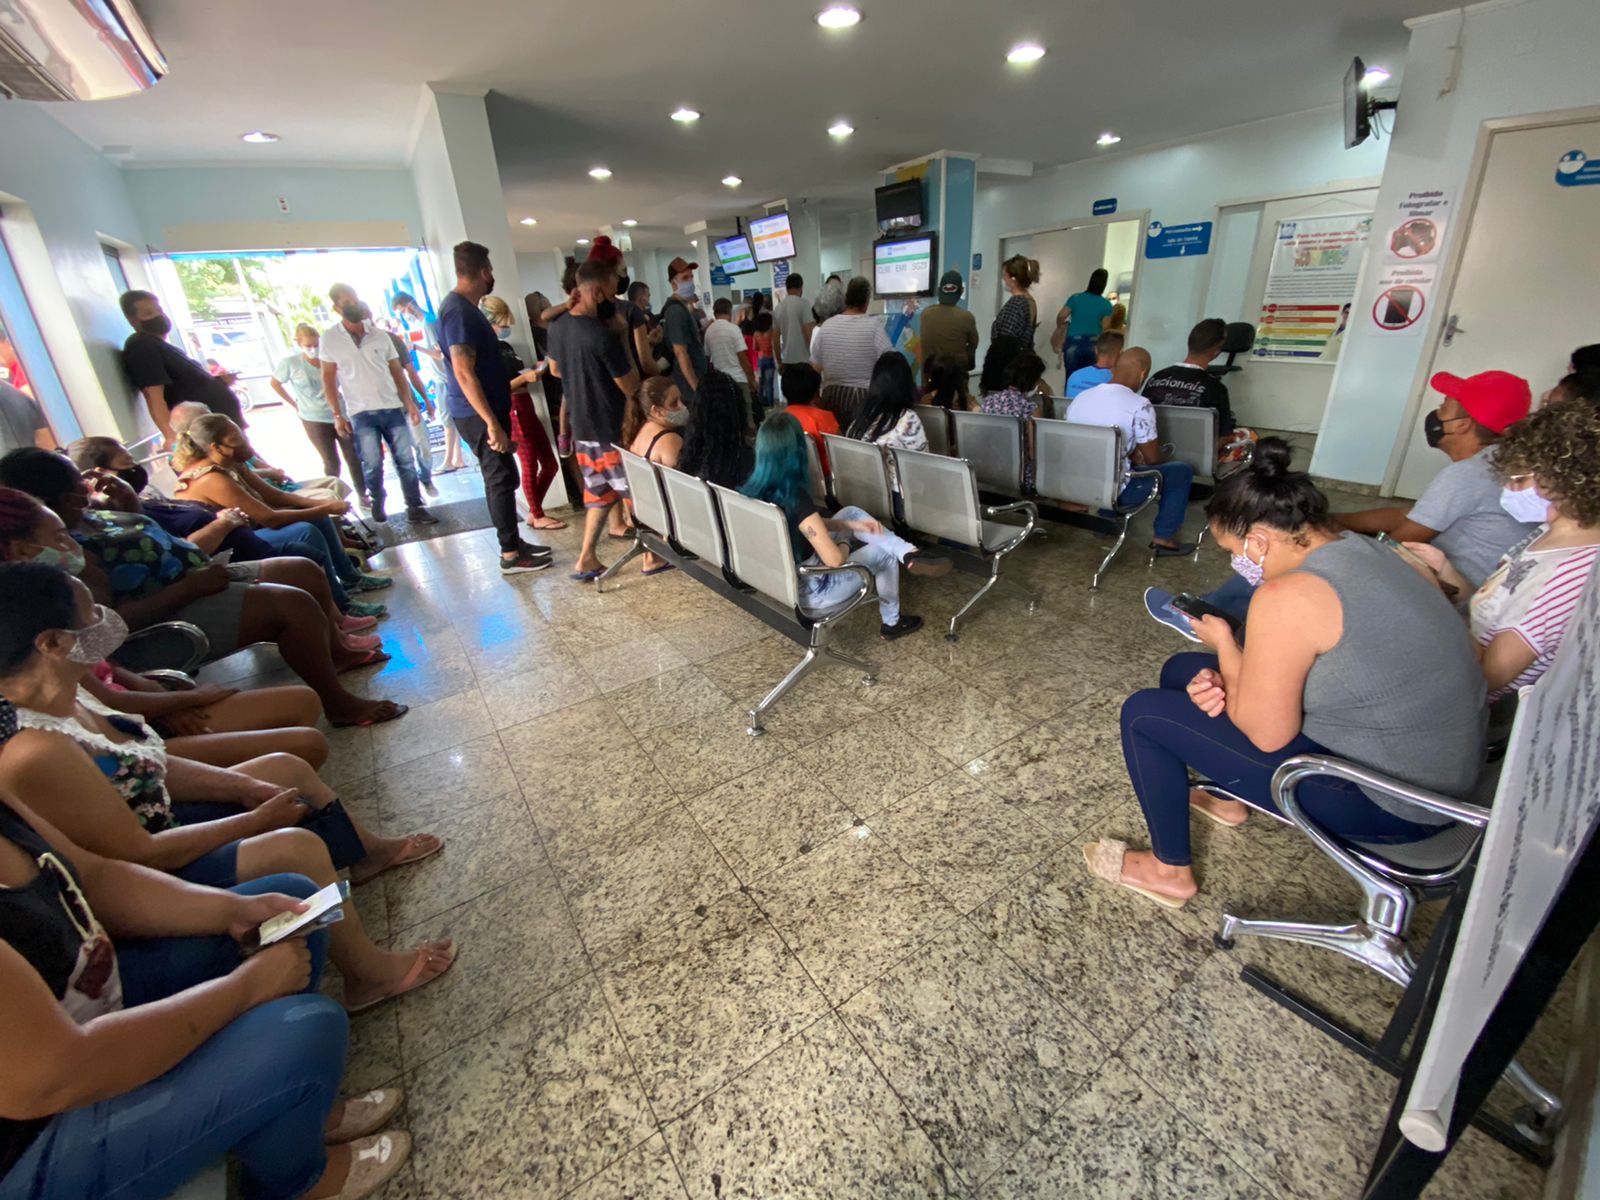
(165, 375)
(534, 453)
(653, 429)
(1351, 653)
(1549, 468)
(370, 396)
(681, 332)
(1460, 512)
(298, 379)
(416, 426)
(632, 323)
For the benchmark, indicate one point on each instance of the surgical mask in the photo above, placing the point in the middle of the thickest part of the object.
(309, 351)
(1248, 569)
(504, 333)
(1527, 505)
(70, 561)
(351, 312)
(606, 309)
(135, 477)
(157, 326)
(100, 640)
(686, 289)
(675, 417)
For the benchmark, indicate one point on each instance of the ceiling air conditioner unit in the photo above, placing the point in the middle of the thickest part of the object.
(75, 50)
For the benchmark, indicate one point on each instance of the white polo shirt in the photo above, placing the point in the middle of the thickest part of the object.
(365, 380)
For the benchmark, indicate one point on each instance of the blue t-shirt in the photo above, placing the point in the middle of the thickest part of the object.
(461, 324)
(1088, 310)
(1085, 378)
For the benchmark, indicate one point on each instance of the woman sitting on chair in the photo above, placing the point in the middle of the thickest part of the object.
(1351, 653)
(782, 477)
(652, 428)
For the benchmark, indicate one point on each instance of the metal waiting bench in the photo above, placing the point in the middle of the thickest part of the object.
(1083, 464)
(940, 498)
(740, 549)
(936, 424)
(1190, 435)
(994, 445)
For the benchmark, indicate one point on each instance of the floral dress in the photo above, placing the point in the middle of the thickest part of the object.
(138, 556)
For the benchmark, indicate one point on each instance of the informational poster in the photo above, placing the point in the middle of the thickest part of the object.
(780, 276)
(1311, 284)
(1413, 243)
(1547, 804)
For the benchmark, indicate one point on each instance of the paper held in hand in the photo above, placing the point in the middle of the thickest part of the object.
(324, 908)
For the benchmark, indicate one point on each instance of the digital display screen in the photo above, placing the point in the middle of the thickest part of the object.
(903, 267)
(735, 255)
(773, 237)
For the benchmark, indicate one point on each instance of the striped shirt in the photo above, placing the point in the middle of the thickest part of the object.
(844, 349)
(1532, 593)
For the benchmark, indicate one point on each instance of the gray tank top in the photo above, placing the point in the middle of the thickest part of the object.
(1402, 691)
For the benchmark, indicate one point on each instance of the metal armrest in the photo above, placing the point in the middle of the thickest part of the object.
(994, 510)
(1149, 473)
(1304, 766)
(866, 575)
(172, 681)
(199, 646)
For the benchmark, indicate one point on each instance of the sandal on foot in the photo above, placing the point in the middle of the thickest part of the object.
(545, 523)
(374, 1161)
(360, 641)
(1104, 860)
(353, 624)
(387, 710)
(659, 570)
(370, 659)
(364, 1116)
(413, 849)
(587, 576)
(413, 979)
(1211, 816)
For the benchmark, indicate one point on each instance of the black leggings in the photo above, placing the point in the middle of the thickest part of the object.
(328, 443)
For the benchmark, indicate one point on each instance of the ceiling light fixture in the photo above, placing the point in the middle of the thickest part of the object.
(1025, 52)
(1374, 76)
(1107, 139)
(529, 221)
(731, 181)
(695, 242)
(583, 241)
(841, 129)
(839, 16)
(260, 137)
(630, 222)
(685, 115)
(599, 172)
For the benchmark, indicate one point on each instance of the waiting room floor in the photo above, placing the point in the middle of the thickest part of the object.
(857, 957)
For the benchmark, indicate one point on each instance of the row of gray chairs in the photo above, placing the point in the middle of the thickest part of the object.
(741, 549)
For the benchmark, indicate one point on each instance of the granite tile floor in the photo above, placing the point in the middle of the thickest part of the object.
(858, 957)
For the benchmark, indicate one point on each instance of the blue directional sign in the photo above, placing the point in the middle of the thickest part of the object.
(1177, 241)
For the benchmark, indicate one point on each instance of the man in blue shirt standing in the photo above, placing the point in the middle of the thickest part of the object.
(478, 395)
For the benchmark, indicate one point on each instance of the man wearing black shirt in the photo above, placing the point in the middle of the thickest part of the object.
(165, 375)
(1189, 384)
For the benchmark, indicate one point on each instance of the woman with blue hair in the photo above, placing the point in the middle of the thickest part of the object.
(781, 477)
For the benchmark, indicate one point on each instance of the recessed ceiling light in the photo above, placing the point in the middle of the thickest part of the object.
(529, 221)
(841, 129)
(1107, 139)
(260, 137)
(599, 172)
(695, 242)
(1374, 76)
(630, 222)
(839, 16)
(583, 241)
(1025, 52)
(685, 115)
(731, 181)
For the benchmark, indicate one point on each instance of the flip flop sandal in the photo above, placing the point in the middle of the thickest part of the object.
(413, 980)
(393, 712)
(1104, 860)
(349, 624)
(360, 641)
(551, 523)
(587, 576)
(364, 1116)
(405, 856)
(659, 570)
(370, 659)
(374, 1161)
(1179, 551)
(619, 537)
(1211, 816)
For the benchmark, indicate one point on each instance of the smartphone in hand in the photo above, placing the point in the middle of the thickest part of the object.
(1191, 605)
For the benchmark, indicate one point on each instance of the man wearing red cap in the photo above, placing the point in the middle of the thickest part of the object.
(681, 333)
(1460, 511)
(635, 325)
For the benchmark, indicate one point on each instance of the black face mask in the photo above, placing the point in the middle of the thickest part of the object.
(606, 309)
(135, 477)
(351, 313)
(1433, 429)
(157, 326)
(623, 283)
(488, 285)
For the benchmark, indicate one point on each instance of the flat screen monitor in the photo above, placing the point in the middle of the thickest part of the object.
(735, 255)
(899, 204)
(1357, 114)
(904, 266)
(773, 237)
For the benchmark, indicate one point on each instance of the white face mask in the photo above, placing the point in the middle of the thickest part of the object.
(675, 418)
(98, 640)
(686, 289)
(1526, 505)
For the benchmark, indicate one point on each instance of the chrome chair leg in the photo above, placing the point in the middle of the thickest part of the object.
(1116, 546)
(796, 673)
(1377, 948)
(634, 551)
(1545, 1107)
(950, 634)
(869, 673)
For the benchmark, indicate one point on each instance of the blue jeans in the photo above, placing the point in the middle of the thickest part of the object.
(260, 1087)
(319, 541)
(375, 427)
(419, 448)
(880, 553)
(767, 380)
(1163, 734)
(1078, 352)
(1233, 597)
(1175, 480)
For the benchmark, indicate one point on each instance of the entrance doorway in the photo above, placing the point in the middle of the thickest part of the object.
(1522, 294)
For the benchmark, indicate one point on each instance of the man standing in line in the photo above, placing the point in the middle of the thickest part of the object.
(599, 378)
(726, 349)
(435, 371)
(845, 348)
(681, 333)
(949, 331)
(417, 418)
(165, 375)
(368, 394)
(478, 395)
(792, 324)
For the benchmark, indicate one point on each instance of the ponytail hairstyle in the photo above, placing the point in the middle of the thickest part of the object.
(198, 437)
(1023, 269)
(651, 393)
(1267, 492)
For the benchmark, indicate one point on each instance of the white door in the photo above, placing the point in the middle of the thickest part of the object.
(1525, 291)
(1269, 394)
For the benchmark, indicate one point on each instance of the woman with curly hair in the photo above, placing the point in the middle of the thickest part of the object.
(714, 448)
(1550, 466)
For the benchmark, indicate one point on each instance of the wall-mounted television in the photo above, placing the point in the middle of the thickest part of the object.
(735, 255)
(1357, 116)
(904, 266)
(899, 205)
(773, 237)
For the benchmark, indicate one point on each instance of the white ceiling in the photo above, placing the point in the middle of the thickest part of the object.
(574, 84)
